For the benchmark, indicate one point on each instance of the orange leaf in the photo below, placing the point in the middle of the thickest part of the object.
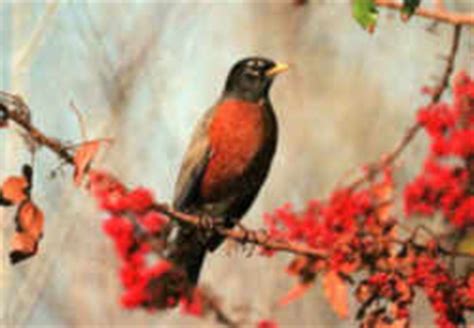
(29, 229)
(23, 243)
(383, 193)
(297, 265)
(30, 219)
(336, 292)
(14, 189)
(83, 157)
(294, 293)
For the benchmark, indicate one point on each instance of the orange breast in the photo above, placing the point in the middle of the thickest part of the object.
(236, 134)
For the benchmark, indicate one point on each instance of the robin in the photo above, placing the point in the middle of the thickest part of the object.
(226, 162)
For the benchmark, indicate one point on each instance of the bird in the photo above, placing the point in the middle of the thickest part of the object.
(226, 162)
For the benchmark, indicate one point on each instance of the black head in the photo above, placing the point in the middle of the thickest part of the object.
(250, 78)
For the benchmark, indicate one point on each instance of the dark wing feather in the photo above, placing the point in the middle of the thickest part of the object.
(194, 165)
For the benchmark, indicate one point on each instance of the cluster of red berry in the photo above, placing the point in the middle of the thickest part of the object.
(449, 296)
(393, 294)
(338, 224)
(148, 280)
(357, 229)
(446, 182)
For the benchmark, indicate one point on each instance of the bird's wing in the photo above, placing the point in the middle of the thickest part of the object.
(194, 165)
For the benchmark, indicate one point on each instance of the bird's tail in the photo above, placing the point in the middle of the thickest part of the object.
(193, 267)
(187, 250)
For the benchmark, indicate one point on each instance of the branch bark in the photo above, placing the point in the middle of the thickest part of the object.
(11, 106)
(437, 14)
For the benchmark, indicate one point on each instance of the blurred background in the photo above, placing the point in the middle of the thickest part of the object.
(142, 72)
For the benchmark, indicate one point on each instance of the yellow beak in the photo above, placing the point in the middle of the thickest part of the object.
(277, 69)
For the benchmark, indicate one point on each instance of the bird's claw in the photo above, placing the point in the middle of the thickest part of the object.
(248, 236)
(206, 222)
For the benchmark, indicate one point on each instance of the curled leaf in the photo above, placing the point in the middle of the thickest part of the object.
(336, 292)
(83, 158)
(23, 246)
(13, 190)
(29, 230)
(364, 292)
(16, 189)
(297, 265)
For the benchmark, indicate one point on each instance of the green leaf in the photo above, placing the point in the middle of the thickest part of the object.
(409, 8)
(365, 13)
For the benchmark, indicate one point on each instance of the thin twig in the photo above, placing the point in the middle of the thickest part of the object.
(260, 238)
(14, 106)
(80, 119)
(434, 14)
(413, 130)
(449, 65)
(442, 250)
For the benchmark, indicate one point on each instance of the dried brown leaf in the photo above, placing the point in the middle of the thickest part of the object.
(336, 292)
(83, 157)
(294, 293)
(14, 189)
(383, 193)
(297, 265)
(29, 230)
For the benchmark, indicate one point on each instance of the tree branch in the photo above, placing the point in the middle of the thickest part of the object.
(437, 14)
(12, 105)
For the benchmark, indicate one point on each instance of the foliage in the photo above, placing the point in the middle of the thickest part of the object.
(365, 13)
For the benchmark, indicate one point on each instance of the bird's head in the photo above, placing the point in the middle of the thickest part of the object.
(250, 78)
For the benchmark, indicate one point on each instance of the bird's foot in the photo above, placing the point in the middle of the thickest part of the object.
(206, 222)
(249, 236)
(245, 231)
